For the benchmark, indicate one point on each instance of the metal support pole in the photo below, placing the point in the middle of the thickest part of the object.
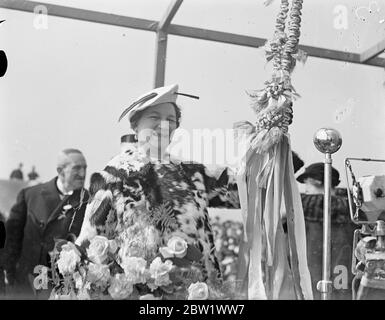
(327, 141)
(369, 57)
(160, 58)
(161, 43)
(326, 288)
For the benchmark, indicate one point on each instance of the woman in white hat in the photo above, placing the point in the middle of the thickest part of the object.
(143, 201)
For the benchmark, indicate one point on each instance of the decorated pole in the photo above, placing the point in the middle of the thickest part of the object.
(266, 176)
(327, 141)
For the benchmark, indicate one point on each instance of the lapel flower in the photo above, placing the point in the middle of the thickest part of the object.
(65, 210)
(67, 207)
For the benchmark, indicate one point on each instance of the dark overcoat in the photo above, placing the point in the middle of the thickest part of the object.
(35, 221)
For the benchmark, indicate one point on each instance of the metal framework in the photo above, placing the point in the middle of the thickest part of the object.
(163, 28)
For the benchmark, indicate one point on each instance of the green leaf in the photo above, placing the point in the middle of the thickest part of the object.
(163, 217)
(168, 289)
(193, 253)
(181, 262)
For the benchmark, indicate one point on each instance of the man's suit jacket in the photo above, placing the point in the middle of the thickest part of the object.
(35, 221)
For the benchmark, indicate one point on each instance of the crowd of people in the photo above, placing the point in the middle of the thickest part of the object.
(139, 181)
(18, 174)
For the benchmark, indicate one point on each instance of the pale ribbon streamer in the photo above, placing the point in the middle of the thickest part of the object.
(263, 180)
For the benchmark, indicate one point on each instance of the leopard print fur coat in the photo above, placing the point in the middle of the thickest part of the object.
(132, 189)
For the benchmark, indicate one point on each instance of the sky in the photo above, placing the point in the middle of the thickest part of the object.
(67, 84)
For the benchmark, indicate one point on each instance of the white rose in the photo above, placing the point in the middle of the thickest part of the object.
(67, 207)
(159, 271)
(68, 259)
(78, 280)
(98, 249)
(83, 294)
(132, 248)
(64, 297)
(176, 247)
(98, 274)
(149, 296)
(152, 238)
(198, 291)
(69, 246)
(135, 269)
(120, 287)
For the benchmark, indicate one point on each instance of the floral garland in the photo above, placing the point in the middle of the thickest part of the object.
(265, 175)
(273, 104)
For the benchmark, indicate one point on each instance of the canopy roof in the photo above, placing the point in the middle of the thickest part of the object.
(153, 20)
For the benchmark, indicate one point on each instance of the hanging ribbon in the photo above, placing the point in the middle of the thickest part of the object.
(266, 177)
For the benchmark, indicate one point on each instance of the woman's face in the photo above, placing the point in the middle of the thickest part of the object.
(157, 125)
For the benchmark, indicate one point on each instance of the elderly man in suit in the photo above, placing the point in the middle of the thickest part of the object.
(42, 214)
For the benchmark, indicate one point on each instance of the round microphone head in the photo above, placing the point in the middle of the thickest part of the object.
(327, 140)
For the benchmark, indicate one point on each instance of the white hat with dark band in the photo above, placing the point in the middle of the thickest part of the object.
(156, 96)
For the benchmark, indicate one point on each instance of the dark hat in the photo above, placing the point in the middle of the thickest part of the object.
(316, 171)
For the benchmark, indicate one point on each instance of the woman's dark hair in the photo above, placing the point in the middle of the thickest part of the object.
(135, 118)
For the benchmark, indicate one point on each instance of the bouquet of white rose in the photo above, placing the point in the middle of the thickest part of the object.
(126, 269)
